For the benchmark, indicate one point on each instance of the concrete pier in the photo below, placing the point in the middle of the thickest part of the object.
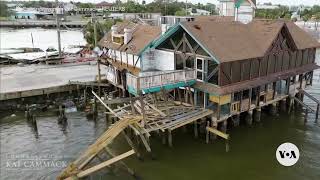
(42, 23)
(35, 80)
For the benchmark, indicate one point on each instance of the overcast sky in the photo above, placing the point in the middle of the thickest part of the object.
(283, 2)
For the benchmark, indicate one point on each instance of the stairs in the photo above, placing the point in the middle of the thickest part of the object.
(101, 143)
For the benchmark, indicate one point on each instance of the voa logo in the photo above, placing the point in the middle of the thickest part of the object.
(287, 154)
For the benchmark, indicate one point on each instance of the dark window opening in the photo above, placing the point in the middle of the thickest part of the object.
(237, 96)
(245, 94)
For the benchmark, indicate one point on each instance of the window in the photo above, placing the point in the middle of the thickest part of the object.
(236, 96)
(179, 62)
(190, 62)
(118, 40)
(200, 69)
(245, 94)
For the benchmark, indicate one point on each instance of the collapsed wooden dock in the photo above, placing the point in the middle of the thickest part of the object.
(143, 116)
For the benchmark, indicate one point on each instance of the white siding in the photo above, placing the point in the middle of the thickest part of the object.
(226, 8)
(157, 60)
(130, 58)
(318, 56)
(164, 60)
(245, 13)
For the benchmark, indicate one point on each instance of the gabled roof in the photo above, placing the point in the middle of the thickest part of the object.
(142, 35)
(231, 41)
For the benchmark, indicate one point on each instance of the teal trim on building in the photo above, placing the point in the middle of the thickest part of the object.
(172, 30)
(159, 40)
(132, 90)
(158, 88)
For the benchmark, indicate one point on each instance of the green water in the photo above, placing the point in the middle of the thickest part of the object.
(252, 154)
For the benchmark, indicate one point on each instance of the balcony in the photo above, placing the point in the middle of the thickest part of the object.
(150, 82)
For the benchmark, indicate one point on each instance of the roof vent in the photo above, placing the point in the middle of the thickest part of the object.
(197, 27)
(127, 35)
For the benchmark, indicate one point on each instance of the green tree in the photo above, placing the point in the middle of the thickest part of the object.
(305, 18)
(181, 12)
(102, 28)
(317, 20)
(4, 11)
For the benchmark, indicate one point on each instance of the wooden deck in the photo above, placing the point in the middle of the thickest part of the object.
(163, 115)
(143, 115)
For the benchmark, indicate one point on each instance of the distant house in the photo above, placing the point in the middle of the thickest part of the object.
(242, 10)
(197, 12)
(104, 5)
(32, 15)
(149, 18)
(267, 6)
(69, 7)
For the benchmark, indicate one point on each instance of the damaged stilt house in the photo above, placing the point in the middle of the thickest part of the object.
(229, 67)
(205, 72)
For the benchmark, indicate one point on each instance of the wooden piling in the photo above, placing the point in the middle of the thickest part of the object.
(224, 126)
(196, 133)
(169, 138)
(291, 104)
(317, 112)
(257, 114)
(236, 120)
(95, 109)
(249, 118)
(207, 133)
(163, 136)
(214, 125)
(273, 108)
(34, 123)
(85, 96)
(283, 105)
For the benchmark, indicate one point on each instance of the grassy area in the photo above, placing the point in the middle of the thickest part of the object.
(4, 18)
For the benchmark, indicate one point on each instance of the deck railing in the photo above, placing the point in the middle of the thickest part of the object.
(156, 79)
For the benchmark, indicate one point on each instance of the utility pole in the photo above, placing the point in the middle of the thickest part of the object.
(94, 21)
(186, 7)
(58, 28)
(94, 29)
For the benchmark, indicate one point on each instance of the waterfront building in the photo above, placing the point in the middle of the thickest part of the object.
(197, 12)
(231, 67)
(31, 13)
(205, 72)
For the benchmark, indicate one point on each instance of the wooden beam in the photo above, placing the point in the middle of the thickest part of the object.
(178, 46)
(121, 100)
(219, 133)
(212, 73)
(173, 44)
(156, 109)
(189, 45)
(104, 164)
(189, 54)
(88, 83)
(135, 64)
(259, 73)
(103, 103)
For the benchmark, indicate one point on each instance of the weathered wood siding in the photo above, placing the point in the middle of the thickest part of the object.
(237, 71)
